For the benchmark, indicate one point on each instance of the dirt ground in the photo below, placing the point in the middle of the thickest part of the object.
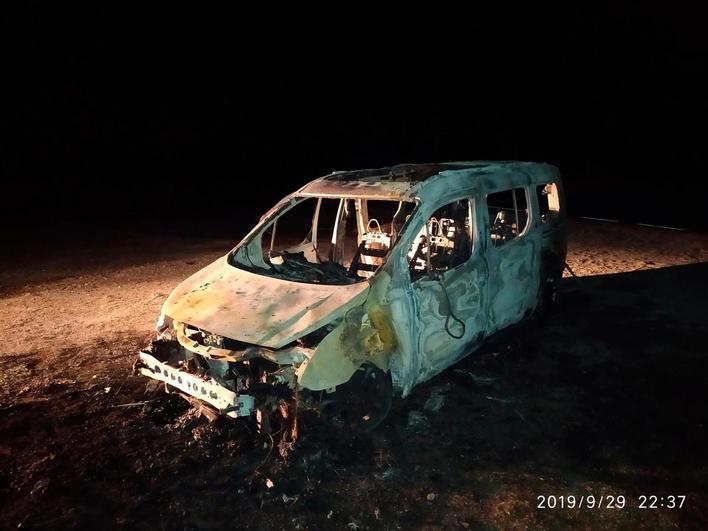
(607, 398)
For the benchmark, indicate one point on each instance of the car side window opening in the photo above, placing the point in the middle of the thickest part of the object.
(508, 215)
(444, 241)
(548, 201)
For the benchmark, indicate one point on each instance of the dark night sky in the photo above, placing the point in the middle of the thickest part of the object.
(212, 119)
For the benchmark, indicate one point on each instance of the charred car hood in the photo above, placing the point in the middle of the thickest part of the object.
(256, 309)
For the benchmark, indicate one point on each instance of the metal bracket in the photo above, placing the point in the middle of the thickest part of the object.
(223, 399)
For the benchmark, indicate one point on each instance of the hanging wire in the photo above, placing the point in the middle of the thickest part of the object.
(451, 314)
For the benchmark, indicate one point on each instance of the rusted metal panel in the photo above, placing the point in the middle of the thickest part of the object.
(255, 309)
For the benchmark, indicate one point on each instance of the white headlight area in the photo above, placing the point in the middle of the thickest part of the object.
(163, 324)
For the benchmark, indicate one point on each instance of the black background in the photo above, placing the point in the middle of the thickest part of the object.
(204, 119)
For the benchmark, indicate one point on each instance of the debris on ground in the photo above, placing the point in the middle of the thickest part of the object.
(436, 400)
(418, 423)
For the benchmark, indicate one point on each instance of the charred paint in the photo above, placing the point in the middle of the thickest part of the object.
(412, 328)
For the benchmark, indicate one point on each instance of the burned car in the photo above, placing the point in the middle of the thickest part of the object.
(361, 285)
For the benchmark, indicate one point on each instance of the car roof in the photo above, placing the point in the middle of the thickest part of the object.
(425, 181)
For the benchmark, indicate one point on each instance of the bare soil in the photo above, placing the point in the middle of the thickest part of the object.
(606, 398)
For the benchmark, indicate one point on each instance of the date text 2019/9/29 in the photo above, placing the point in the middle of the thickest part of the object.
(608, 501)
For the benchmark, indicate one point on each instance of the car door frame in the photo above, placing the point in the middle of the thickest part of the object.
(511, 269)
(427, 293)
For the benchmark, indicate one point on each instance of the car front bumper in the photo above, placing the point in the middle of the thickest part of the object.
(227, 402)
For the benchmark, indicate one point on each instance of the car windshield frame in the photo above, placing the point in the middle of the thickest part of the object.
(250, 253)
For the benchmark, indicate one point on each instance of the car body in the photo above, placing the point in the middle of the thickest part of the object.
(404, 270)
